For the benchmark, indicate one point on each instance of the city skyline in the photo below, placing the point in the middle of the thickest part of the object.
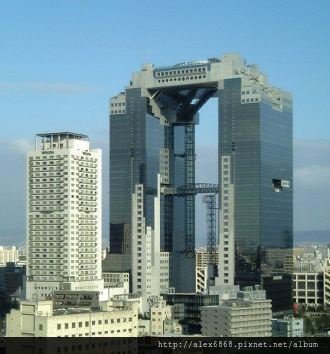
(82, 63)
(160, 165)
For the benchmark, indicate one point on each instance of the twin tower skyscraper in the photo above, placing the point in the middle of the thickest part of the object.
(153, 186)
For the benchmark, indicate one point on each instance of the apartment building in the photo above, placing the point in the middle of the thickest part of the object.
(247, 316)
(63, 215)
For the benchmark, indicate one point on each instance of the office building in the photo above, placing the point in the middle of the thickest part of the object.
(327, 286)
(287, 327)
(12, 278)
(159, 313)
(8, 254)
(63, 215)
(203, 256)
(161, 322)
(247, 316)
(116, 280)
(40, 319)
(308, 288)
(187, 307)
(152, 153)
(204, 270)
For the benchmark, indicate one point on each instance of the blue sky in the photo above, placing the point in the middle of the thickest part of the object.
(60, 61)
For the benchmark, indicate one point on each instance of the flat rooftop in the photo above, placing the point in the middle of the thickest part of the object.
(63, 135)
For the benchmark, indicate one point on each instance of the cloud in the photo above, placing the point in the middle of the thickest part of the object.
(311, 184)
(42, 87)
(311, 152)
(311, 164)
(18, 146)
(313, 177)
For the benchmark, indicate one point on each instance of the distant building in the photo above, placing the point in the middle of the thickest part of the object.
(204, 271)
(161, 321)
(247, 316)
(327, 285)
(116, 280)
(288, 327)
(39, 319)
(202, 257)
(159, 313)
(144, 327)
(308, 288)
(187, 308)
(8, 254)
(64, 299)
(172, 327)
(11, 278)
(64, 215)
(202, 277)
(279, 290)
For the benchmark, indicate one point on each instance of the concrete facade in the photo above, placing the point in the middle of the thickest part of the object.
(8, 254)
(63, 215)
(38, 319)
(287, 327)
(247, 316)
(308, 288)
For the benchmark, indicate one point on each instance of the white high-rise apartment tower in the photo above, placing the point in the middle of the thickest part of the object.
(63, 215)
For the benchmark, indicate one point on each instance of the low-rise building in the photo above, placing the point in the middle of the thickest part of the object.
(326, 290)
(247, 316)
(159, 312)
(187, 309)
(40, 319)
(116, 280)
(287, 327)
(144, 327)
(205, 271)
(11, 277)
(308, 288)
(172, 327)
(8, 254)
(161, 320)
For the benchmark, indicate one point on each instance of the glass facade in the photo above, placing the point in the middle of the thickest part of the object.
(136, 141)
(258, 139)
(152, 126)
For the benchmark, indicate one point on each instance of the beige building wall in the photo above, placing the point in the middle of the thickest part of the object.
(37, 319)
(308, 288)
(327, 285)
(159, 312)
(63, 216)
(236, 318)
(8, 254)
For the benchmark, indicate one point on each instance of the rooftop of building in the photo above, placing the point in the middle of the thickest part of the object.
(68, 135)
(239, 303)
